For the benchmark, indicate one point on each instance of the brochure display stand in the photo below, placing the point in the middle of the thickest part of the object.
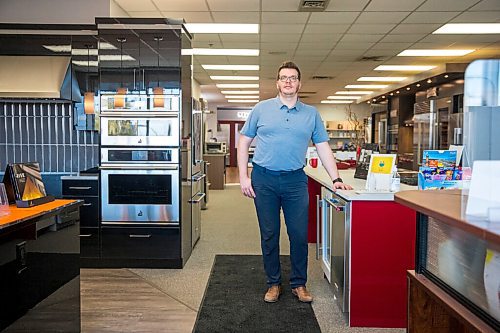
(363, 162)
(24, 185)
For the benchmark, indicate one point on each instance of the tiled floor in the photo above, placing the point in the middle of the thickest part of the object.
(170, 298)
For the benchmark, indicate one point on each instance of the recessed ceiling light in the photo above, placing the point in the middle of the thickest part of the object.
(233, 52)
(429, 81)
(241, 96)
(231, 67)
(446, 76)
(403, 68)
(336, 102)
(241, 92)
(234, 78)
(243, 100)
(418, 84)
(434, 53)
(366, 86)
(383, 96)
(397, 92)
(392, 94)
(222, 28)
(236, 85)
(85, 63)
(408, 88)
(374, 99)
(382, 78)
(469, 28)
(353, 92)
(344, 97)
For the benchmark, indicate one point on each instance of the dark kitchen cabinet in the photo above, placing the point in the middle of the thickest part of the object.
(85, 188)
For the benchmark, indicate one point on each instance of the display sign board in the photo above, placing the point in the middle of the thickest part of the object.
(363, 162)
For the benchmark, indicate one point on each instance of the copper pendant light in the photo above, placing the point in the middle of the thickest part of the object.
(158, 100)
(88, 96)
(122, 91)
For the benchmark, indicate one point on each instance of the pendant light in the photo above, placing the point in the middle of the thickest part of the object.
(88, 96)
(158, 100)
(120, 92)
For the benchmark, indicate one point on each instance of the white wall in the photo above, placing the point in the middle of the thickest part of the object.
(53, 11)
(330, 112)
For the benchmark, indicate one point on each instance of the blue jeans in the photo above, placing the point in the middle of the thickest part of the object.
(287, 190)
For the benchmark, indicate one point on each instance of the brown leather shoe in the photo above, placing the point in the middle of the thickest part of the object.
(302, 294)
(273, 294)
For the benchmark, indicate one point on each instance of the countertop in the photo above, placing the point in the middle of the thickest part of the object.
(81, 177)
(321, 176)
(448, 206)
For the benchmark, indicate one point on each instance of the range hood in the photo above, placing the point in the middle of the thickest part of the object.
(37, 77)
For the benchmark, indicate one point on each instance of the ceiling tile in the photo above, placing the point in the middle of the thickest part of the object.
(306, 45)
(231, 5)
(381, 17)
(280, 5)
(312, 52)
(430, 17)
(278, 46)
(326, 28)
(487, 5)
(355, 53)
(370, 28)
(446, 5)
(282, 28)
(136, 6)
(250, 38)
(391, 46)
(190, 17)
(403, 38)
(354, 46)
(279, 37)
(181, 5)
(361, 38)
(207, 44)
(236, 17)
(212, 60)
(333, 17)
(241, 45)
(284, 17)
(415, 28)
(474, 17)
(320, 37)
(393, 6)
(206, 38)
(346, 5)
(148, 14)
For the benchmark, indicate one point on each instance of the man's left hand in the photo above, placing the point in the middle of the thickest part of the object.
(341, 186)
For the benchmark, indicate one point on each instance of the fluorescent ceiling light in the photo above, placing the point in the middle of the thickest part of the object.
(234, 78)
(67, 48)
(469, 28)
(222, 28)
(92, 52)
(106, 46)
(233, 52)
(241, 92)
(367, 86)
(116, 57)
(344, 97)
(237, 85)
(232, 67)
(382, 78)
(434, 53)
(404, 68)
(85, 63)
(336, 102)
(240, 96)
(243, 100)
(354, 92)
(58, 48)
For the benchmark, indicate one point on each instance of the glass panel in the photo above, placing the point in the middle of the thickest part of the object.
(139, 155)
(140, 127)
(140, 189)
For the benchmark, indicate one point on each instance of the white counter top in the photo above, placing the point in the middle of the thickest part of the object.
(321, 176)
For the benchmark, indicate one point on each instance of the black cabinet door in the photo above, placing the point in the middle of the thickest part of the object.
(140, 243)
(89, 213)
(89, 242)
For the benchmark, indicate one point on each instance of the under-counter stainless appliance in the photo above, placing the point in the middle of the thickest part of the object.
(335, 243)
(140, 129)
(215, 147)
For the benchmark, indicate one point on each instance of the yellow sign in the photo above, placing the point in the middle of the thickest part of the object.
(382, 164)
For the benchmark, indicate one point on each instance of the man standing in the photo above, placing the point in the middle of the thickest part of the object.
(283, 127)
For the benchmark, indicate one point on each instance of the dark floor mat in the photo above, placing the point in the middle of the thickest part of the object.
(234, 300)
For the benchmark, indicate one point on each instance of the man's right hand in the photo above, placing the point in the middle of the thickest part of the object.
(246, 187)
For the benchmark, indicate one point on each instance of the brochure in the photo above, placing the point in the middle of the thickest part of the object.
(439, 170)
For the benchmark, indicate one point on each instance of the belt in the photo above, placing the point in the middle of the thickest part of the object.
(274, 172)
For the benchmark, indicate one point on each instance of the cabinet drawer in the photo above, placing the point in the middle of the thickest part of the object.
(76, 187)
(89, 242)
(140, 243)
(89, 213)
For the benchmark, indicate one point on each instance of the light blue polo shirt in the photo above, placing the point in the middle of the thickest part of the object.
(283, 134)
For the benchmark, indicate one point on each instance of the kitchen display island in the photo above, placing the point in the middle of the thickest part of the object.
(366, 245)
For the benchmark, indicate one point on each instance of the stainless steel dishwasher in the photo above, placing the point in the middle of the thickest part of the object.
(335, 244)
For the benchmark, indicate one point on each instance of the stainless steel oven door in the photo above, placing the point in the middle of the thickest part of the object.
(140, 129)
(140, 155)
(141, 194)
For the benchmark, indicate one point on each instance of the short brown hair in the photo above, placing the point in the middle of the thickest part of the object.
(288, 64)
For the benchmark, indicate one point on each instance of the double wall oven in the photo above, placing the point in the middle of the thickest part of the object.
(140, 168)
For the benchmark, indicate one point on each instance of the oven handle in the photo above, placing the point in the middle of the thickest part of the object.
(139, 236)
(197, 178)
(141, 114)
(200, 197)
(138, 167)
(334, 205)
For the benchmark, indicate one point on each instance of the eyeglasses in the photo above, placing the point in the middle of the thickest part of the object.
(284, 78)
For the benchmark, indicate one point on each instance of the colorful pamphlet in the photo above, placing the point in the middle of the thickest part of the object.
(439, 170)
